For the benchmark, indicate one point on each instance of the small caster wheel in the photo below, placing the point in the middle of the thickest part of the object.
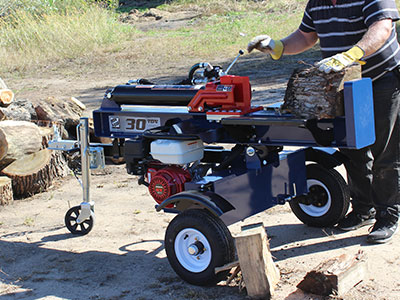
(70, 221)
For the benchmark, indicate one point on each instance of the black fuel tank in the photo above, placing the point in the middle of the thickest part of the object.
(160, 95)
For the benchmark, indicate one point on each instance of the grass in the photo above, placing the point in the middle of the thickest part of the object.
(44, 33)
(39, 33)
(30, 38)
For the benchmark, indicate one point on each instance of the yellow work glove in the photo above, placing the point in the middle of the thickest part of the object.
(342, 60)
(265, 44)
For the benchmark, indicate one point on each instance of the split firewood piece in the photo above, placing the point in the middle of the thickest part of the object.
(258, 269)
(312, 94)
(18, 138)
(34, 173)
(335, 276)
(6, 192)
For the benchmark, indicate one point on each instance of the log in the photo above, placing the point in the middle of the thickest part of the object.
(6, 192)
(312, 94)
(3, 145)
(258, 269)
(47, 134)
(18, 110)
(34, 173)
(335, 276)
(20, 138)
(6, 97)
(65, 112)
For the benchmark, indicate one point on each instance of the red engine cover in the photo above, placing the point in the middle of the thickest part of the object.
(167, 182)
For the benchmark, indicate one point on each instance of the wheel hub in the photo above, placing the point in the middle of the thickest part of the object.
(196, 248)
(193, 250)
(318, 200)
(317, 196)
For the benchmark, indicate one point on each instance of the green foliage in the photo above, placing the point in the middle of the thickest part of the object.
(28, 38)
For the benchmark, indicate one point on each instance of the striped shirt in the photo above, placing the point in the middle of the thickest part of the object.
(341, 26)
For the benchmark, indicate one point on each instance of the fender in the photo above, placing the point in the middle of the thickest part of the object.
(327, 157)
(194, 199)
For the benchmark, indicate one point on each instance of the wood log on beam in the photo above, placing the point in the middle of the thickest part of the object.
(6, 192)
(34, 173)
(20, 138)
(258, 269)
(335, 276)
(312, 94)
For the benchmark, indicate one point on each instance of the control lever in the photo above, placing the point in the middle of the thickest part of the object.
(241, 52)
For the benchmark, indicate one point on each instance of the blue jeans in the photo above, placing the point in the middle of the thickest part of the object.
(374, 172)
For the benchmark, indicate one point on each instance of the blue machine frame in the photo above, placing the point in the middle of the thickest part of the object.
(253, 184)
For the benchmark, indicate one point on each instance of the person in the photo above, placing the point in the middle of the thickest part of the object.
(359, 31)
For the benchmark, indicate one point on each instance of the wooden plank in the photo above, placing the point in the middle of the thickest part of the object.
(336, 275)
(258, 269)
(227, 267)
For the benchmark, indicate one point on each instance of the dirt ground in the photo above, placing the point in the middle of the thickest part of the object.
(123, 256)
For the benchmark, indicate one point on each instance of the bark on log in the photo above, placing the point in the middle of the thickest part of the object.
(34, 173)
(335, 276)
(20, 138)
(65, 112)
(312, 94)
(18, 110)
(6, 192)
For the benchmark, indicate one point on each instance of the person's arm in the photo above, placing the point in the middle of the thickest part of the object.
(372, 40)
(299, 41)
(375, 37)
(295, 43)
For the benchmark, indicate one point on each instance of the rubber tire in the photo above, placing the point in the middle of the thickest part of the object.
(220, 240)
(340, 197)
(70, 217)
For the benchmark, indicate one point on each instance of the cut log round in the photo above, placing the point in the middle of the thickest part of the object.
(6, 192)
(34, 173)
(6, 97)
(312, 94)
(21, 138)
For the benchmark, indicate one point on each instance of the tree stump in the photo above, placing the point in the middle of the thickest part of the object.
(312, 94)
(19, 138)
(6, 192)
(34, 173)
(336, 275)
